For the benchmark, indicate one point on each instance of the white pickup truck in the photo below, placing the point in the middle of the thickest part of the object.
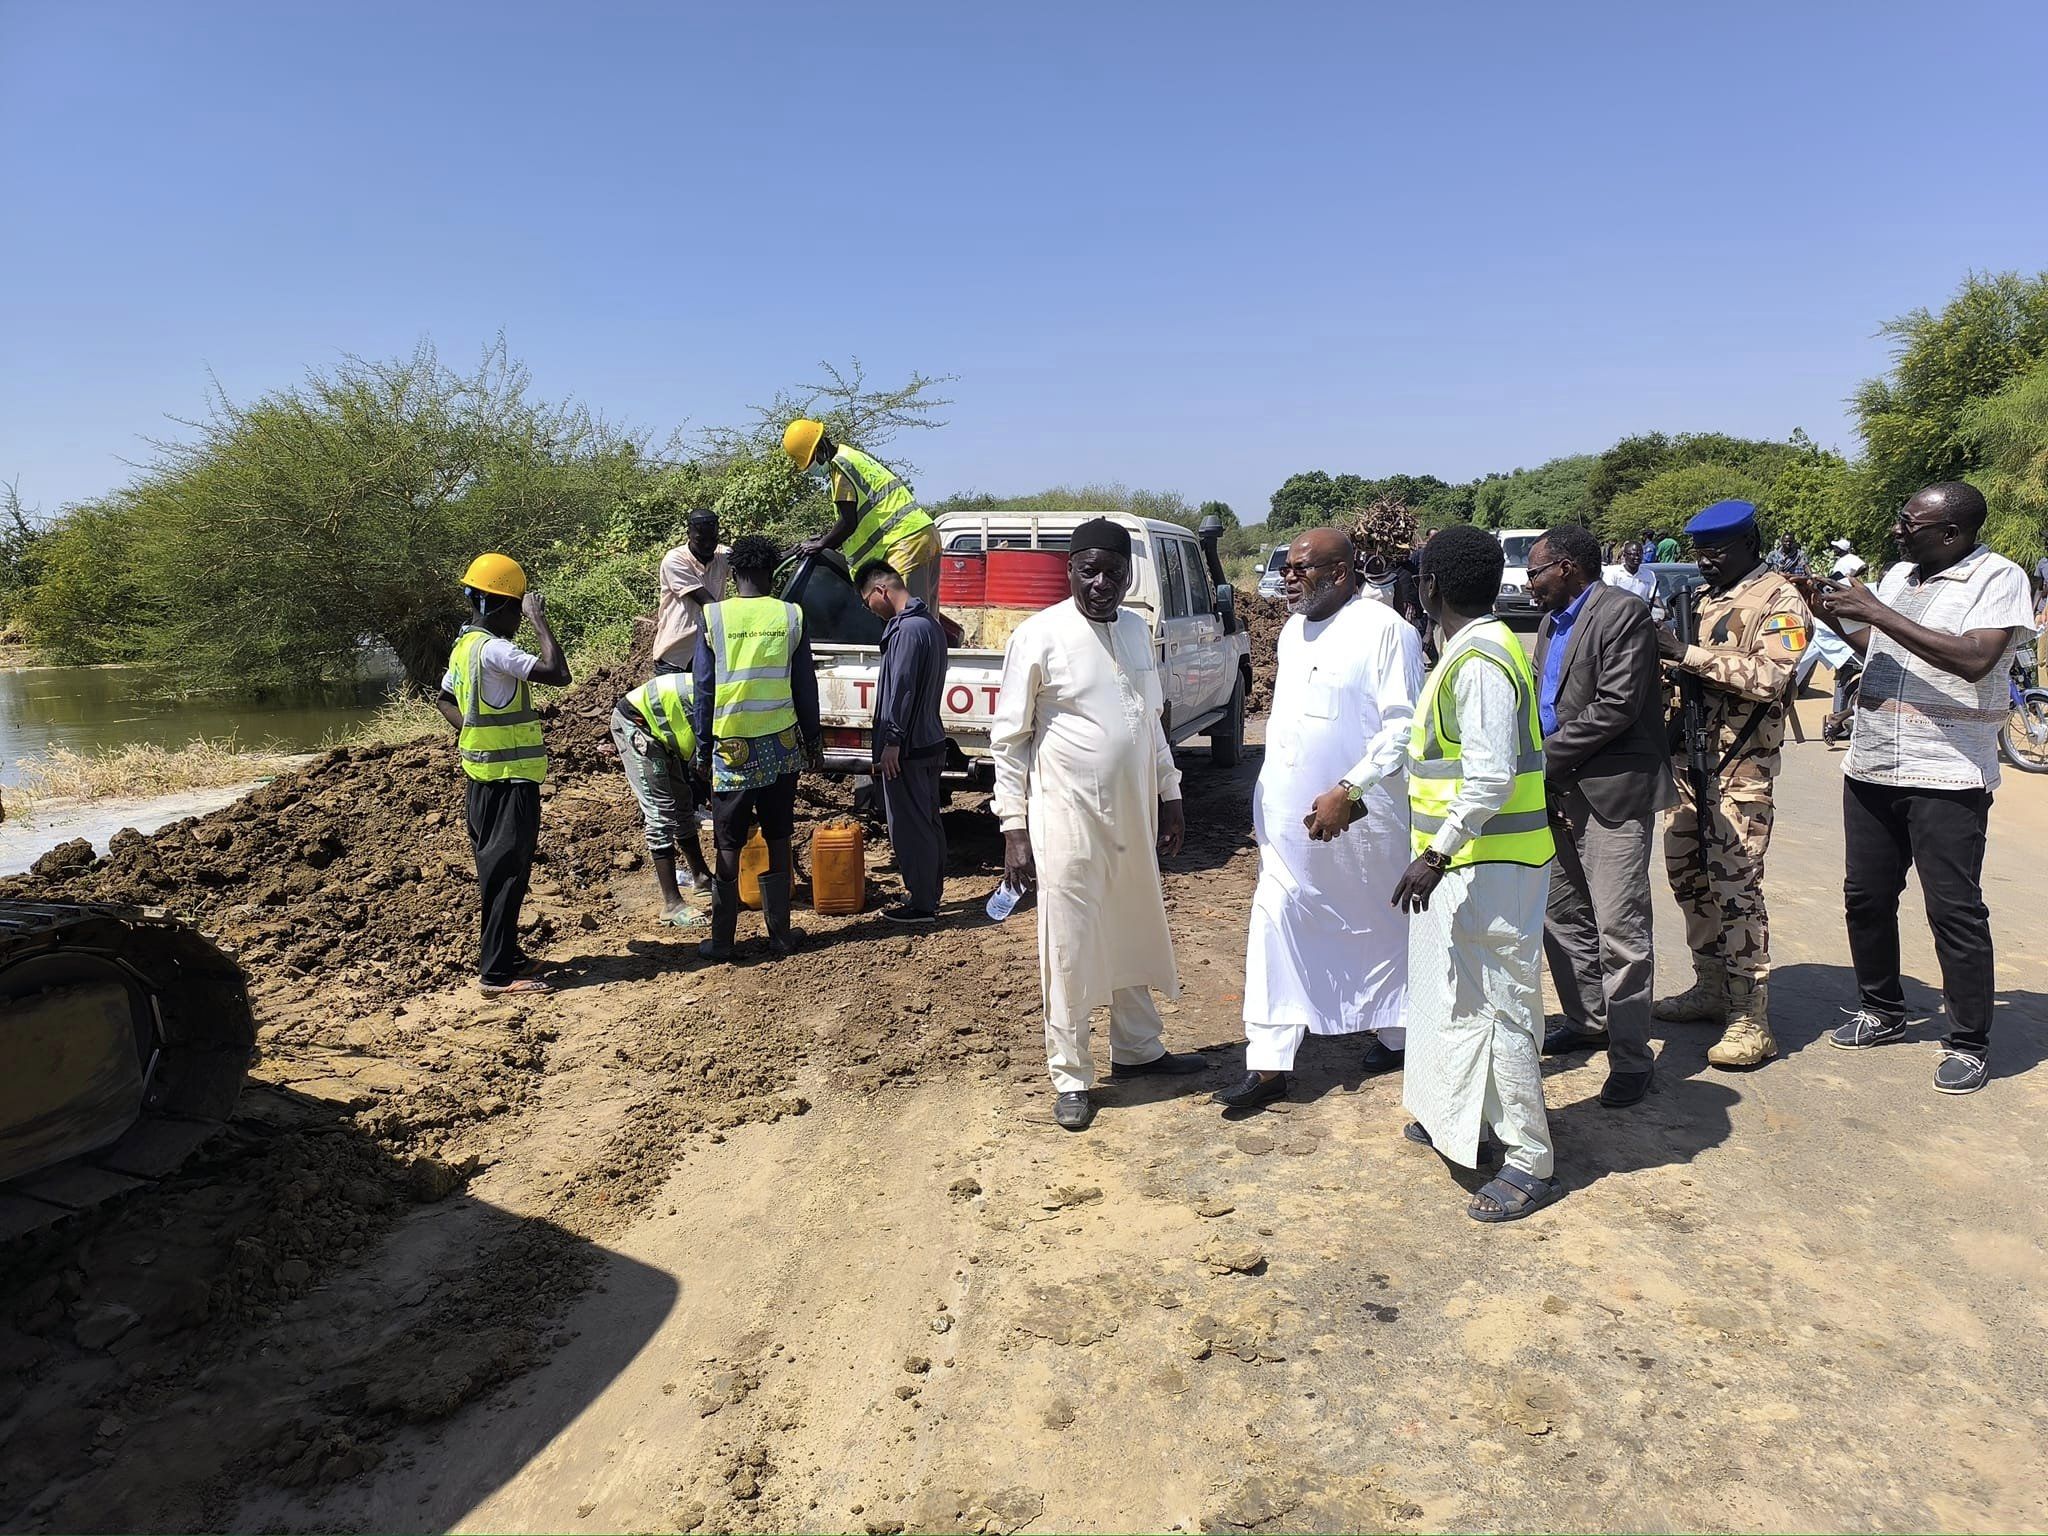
(998, 569)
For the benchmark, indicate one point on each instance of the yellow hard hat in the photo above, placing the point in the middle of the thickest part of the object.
(800, 442)
(498, 575)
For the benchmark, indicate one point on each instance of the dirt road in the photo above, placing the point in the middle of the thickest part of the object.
(800, 1247)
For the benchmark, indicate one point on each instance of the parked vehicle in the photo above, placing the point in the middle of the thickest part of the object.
(1514, 601)
(1272, 581)
(996, 570)
(1672, 577)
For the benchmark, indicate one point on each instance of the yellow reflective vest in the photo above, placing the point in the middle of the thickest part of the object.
(1517, 833)
(753, 641)
(663, 703)
(494, 743)
(888, 512)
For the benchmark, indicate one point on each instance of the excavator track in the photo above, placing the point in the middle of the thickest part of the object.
(125, 1039)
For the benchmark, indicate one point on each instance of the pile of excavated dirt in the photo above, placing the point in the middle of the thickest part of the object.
(357, 870)
(1263, 621)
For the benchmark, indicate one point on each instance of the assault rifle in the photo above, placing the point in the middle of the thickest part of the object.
(1695, 732)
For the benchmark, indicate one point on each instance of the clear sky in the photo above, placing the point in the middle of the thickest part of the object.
(1193, 246)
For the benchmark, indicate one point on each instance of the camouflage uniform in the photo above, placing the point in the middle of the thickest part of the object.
(1750, 641)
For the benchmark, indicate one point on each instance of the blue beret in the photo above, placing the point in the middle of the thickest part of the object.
(1723, 519)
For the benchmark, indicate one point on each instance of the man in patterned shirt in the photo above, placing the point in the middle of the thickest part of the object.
(1937, 637)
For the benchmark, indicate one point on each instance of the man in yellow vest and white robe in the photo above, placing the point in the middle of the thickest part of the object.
(1477, 888)
(879, 518)
(485, 695)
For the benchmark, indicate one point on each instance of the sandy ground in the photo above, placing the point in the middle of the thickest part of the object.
(888, 1293)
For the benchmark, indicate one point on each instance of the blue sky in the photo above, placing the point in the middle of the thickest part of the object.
(1191, 247)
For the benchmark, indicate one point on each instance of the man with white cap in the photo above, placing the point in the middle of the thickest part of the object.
(1089, 799)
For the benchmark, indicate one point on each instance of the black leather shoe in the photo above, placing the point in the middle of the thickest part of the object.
(1562, 1040)
(1378, 1058)
(1253, 1091)
(1073, 1111)
(1624, 1088)
(1168, 1065)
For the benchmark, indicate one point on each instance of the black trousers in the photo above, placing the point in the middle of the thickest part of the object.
(734, 812)
(1940, 832)
(504, 827)
(911, 800)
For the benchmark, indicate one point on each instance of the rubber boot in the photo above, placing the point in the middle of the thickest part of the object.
(725, 919)
(1705, 1001)
(775, 907)
(1747, 1041)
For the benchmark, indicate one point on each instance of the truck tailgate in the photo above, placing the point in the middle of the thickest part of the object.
(846, 699)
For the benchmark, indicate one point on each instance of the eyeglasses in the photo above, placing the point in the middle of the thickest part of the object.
(1548, 565)
(1313, 565)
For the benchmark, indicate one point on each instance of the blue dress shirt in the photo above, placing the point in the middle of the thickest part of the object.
(1553, 661)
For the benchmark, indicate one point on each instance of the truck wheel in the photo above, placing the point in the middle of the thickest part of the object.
(1226, 736)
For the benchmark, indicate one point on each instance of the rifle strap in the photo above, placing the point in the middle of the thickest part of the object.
(1749, 727)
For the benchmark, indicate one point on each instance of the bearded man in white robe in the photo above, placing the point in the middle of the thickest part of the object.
(1325, 955)
(1089, 799)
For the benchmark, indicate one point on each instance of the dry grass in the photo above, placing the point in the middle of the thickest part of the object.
(139, 770)
(401, 718)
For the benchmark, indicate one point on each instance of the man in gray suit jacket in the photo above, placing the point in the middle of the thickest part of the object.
(1608, 763)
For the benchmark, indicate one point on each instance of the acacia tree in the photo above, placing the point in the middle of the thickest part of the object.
(290, 531)
(1913, 419)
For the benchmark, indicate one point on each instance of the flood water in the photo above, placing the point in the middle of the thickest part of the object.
(88, 709)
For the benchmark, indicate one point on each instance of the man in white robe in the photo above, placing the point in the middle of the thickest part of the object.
(1324, 955)
(1477, 888)
(1089, 799)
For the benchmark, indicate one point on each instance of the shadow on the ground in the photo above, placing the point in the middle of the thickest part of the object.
(1807, 1002)
(263, 1325)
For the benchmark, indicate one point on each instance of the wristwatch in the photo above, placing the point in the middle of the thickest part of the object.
(1436, 859)
(1352, 792)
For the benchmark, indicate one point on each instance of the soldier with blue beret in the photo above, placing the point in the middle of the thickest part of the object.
(1752, 628)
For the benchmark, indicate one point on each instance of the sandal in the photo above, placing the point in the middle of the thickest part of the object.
(689, 917)
(1512, 1194)
(525, 986)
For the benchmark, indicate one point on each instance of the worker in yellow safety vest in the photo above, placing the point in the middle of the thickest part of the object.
(657, 745)
(755, 715)
(1475, 892)
(879, 518)
(486, 695)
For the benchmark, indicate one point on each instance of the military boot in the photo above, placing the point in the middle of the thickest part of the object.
(1747, 1041)
(1705, 1001)
(775, 907)
(725, 920)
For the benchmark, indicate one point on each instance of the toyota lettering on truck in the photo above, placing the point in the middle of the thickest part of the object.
(997, 569)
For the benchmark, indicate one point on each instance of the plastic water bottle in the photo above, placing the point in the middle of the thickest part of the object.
(1003, 901)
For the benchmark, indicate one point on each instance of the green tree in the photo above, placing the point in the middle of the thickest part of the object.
(1168, 506)
(1552, 493)
(1220, 510)
(90, 604)
(2009, 430)
(293, 529)
(22, 541)
(1913, 420)
(1667, 500)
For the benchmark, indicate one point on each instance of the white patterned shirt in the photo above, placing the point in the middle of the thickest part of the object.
(1918, 727)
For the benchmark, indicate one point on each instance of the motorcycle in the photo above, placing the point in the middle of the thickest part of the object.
(2023, 739)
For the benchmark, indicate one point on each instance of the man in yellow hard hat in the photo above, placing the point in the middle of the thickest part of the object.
(485, 695)
(879, 518)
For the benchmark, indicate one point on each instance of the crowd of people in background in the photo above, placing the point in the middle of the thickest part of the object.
(1439, 811)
